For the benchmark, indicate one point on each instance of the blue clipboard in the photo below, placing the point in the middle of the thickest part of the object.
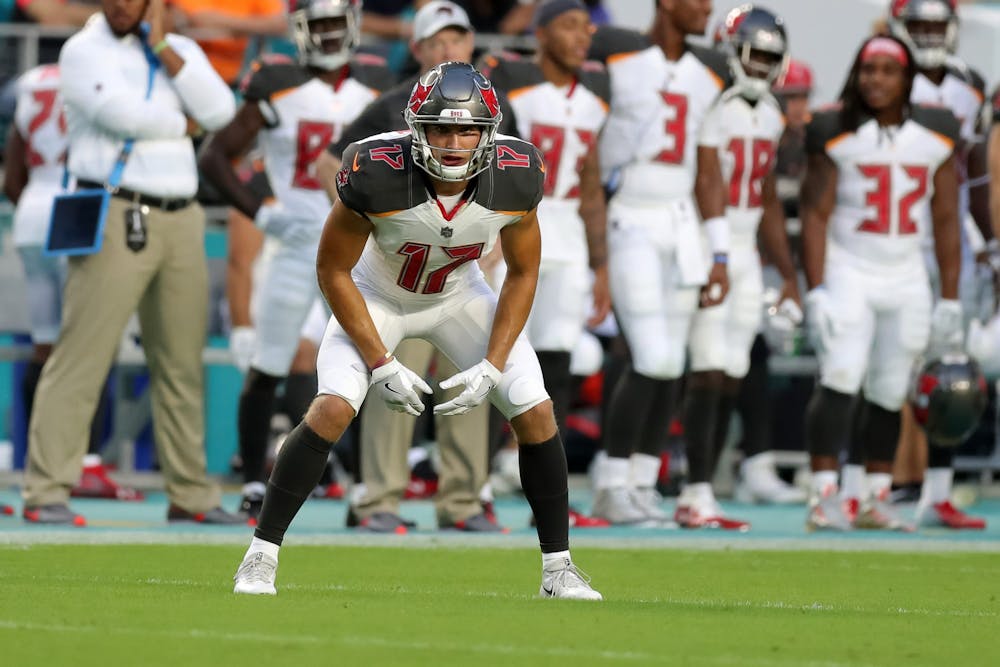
(76, 226)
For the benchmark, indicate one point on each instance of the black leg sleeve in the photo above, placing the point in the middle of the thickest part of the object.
(296, 473)
(544, 480)
(300, 389)
(559, 384)
(628, 413)
(254, 421)
(880, 433)
(661, 413)
(723, 415)
(856, 453)
(700, 417)
(828, 422)
(940, 457)
(754, 402)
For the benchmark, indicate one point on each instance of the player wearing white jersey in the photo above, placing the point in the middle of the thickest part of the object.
(744, 127)
(881, 174)
(561, 104)
(930, 29)
(295, 110)
(432, 200)
(662, 89)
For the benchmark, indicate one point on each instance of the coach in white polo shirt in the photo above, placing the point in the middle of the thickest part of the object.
(124, 79)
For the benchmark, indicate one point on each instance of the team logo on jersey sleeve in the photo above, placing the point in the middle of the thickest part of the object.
(342, 176)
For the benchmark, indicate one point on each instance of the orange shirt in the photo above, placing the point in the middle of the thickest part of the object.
(226, 54)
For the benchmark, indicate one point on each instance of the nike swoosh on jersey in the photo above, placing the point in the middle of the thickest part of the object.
(355, 166)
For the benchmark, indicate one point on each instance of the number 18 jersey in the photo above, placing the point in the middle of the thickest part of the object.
(885, 181)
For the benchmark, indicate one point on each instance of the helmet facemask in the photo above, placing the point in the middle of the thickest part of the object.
(332, 48)
(756, 69)
(442, 98)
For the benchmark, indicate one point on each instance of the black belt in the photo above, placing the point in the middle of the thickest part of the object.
(163, 203)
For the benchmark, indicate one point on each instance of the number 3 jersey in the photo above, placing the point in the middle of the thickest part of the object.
(657, 109)
(303, 115)
(422, 250)
(885, 181)
(746, 135)
(564, 123)
(40, 122)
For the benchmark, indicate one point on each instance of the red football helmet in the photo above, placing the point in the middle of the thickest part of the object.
(928, 27)
(797, 79)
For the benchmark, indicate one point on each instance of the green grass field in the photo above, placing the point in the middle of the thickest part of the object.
(173, 605)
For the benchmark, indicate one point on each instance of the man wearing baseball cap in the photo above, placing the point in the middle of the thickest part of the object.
(441, 33)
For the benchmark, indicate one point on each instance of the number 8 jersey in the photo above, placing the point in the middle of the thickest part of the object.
(886, 181)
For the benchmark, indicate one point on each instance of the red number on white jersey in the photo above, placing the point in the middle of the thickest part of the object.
(46, 100)
(551, 140)
(416, 260)
(675, 127)
(312, 139)
(761, 157)
(881, 198)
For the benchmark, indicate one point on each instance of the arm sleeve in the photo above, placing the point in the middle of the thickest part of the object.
(101, 94)
(204, 94)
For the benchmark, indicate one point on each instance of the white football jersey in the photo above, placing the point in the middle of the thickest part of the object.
(564, 123)
(746, 135)
(40, 121)
(657, 109)
(422, 251)
(304, 115)
(885, 182)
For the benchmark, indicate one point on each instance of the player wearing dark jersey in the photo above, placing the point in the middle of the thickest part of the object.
(881, 175)
(431, 201)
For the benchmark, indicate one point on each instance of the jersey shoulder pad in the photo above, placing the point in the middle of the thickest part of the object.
(41, 76)
(937, 119)
(594, 77)
(375, 177)
(508, 72)
(610, 41)
(372, 71)
(961, 70)
(715, 61)
(825, 125)
(515, 179)
(270, 75)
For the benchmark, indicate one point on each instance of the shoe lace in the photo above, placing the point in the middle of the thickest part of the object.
(571, 577)
(258, 568)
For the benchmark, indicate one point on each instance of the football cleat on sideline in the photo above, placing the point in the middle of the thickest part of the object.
(650, 502)
(879, 514)
(693, 516)
(946, 515)
(617, 506)
(95, 483)
(256, 575)
(6, 510)
(53, 515)
(828, 513)
(565, 581)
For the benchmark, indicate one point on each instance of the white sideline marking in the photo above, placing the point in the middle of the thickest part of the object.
(382, 642)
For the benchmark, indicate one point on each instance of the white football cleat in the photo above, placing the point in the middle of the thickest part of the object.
(759, 483)
(563, 580)
(617, 506)
(256, 574)
(650, 502)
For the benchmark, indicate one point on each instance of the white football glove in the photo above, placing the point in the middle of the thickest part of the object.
(242, 341)
(479, 381)
(397, 385)
(823, 325)
(274, 220)
(946, 325)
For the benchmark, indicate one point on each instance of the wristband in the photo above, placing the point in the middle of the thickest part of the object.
(382, 361)
(720, 258)
(160, 46)
(717, 231)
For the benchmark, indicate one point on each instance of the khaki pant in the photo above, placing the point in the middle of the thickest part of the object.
(385, 439)
(167, 282)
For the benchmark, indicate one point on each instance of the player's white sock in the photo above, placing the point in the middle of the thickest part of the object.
(823, 481)
(879, 485)
(852, 481)
(612, 473)
(91, 460)
(259, 545)
(937, 485)
(644, 470)
(486, 493)
(555, 557)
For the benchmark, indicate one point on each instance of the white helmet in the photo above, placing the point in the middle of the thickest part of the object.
(313, 46)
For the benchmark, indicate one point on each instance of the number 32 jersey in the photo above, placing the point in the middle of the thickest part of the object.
(564, 123)
(886, 181)
(423, 251)
(657, 110)
(303, 115)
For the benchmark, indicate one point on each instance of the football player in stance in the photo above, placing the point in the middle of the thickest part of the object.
(561, 104)
(432, 201)
(929, 28)
(881, 174)
(662, 89)
(744, 126)
(295, 109)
